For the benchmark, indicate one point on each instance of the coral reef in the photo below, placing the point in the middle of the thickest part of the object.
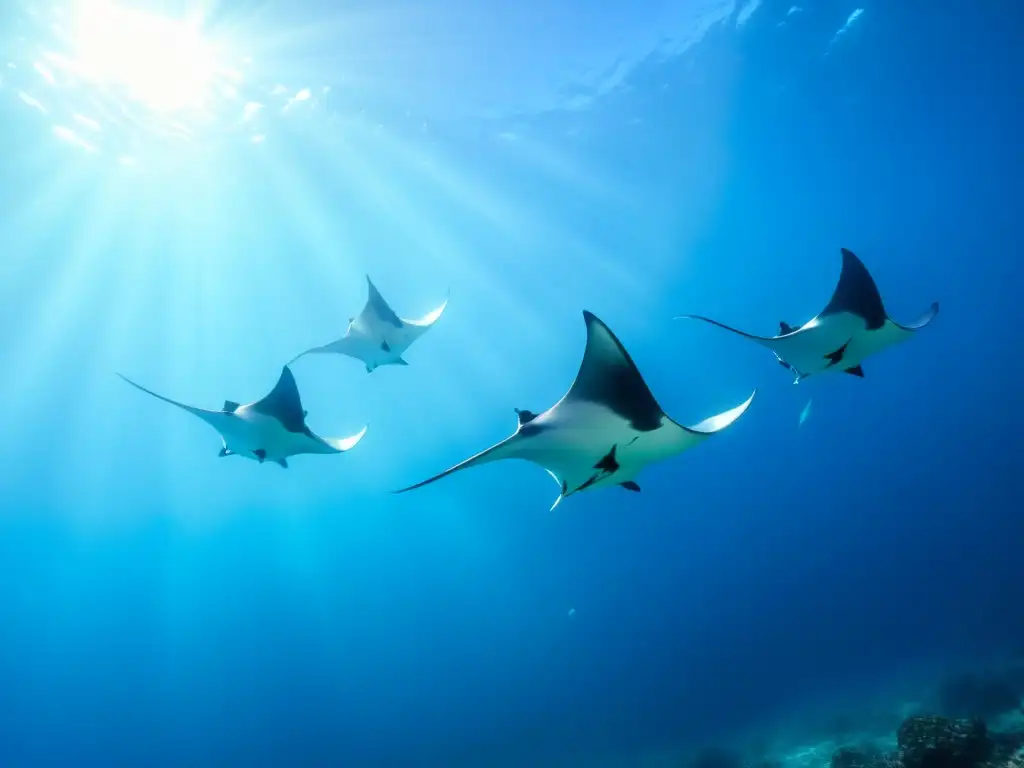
(930, 741)
(933, 741)
(968, 720)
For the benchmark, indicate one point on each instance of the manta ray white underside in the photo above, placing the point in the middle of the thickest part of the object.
(606, 428)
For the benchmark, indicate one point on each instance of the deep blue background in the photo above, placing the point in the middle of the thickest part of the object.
(158, 605)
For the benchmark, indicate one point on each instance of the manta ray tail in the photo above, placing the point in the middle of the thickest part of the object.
(342, 444)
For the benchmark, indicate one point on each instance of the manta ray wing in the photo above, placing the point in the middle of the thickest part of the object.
(608, 377)
(856, 294)
(926, 317)
(556, 462)
(377, 308)
(401, 338)
(718, 422)
(431, 317)
(215, 419)
(284, 404)
(767, 341)
(342, 444)
(895, 333)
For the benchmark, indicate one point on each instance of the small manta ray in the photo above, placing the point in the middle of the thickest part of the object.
(271, 429)
(606, 428)
(378, 336)
(850, 329)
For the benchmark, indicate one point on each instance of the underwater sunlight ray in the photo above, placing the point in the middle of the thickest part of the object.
(363, 163)
(92, 283)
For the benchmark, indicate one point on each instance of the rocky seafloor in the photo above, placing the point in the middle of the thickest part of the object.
(969, 720)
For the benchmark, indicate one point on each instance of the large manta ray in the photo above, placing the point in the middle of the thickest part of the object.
(852, 327)
(378, 336)
(606, 428)
(271, 429)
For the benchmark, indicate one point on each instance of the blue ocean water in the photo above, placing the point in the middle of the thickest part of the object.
(193, 214)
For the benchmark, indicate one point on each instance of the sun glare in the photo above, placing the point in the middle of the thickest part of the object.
(163, 63)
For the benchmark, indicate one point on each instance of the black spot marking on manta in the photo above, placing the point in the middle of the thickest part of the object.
(230, 406)
(609, 377)
(608, 465)
(785, 328)
(608, 462)
(380, 307)
(856, 371)
(283, 463)
(834, 357)
(284, 404)
(629, 485)
(857, 293)
(384, 346)
(260, 454)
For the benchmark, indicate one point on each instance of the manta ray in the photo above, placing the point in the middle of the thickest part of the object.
(271, 429)
(606, 428)
(378, 336)
(852, 327)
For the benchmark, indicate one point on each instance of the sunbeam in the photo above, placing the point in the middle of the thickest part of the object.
(165, 64)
